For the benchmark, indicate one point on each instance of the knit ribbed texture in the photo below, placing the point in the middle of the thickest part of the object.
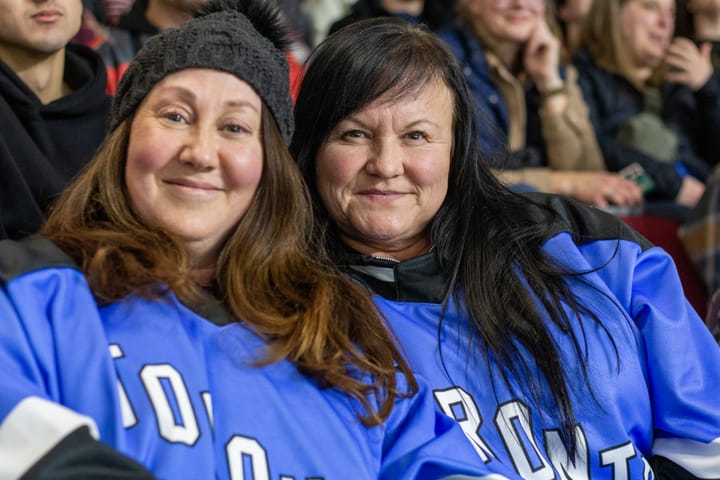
(225, 41)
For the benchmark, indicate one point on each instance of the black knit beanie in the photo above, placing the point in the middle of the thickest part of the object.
(245, 38)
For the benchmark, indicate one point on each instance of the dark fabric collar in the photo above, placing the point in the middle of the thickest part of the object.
(418, 279)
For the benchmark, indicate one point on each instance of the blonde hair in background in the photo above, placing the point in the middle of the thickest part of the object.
(602, 38)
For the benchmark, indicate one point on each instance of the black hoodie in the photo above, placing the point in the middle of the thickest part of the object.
(43, 146)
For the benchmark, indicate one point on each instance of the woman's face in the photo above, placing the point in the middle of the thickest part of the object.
(504, 21)
(383, 172)
(195, 157)
(647, 27)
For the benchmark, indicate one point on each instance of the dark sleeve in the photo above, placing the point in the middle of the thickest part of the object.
(80, 457)
(696, 115)
(665, 469)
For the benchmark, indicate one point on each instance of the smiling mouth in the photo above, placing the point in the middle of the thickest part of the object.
(47, 16)
(380, 195)
(192, 186)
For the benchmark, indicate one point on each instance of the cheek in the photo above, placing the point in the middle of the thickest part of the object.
(334, 170)
(243, 172)
(145, 157)
(432, 176)
(144, 160)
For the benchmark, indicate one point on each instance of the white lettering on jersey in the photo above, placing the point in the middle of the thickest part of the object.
(578, 468)
(618, 458)
(207, 401)
(128, 415)
(513, 423)
(241, 449)
(187, 430)
(458, 404)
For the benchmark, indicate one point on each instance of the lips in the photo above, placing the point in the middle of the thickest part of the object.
(192, 184)
(380, 196)
(47, 15)
(374, 191)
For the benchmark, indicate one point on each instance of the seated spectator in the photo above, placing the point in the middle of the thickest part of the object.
(530, 103)
(654, 102)
(174, 322)
(432, 13)
(119, 45)
(557, 337)
(53, 108)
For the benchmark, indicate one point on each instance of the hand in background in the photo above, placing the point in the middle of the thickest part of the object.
(541, 58)
(596, 188)
(688, 64)
(690, 192)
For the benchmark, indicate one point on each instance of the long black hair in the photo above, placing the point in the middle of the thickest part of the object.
(489, 239)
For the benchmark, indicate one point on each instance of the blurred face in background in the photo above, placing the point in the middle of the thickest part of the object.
(506, 20)
(647, 28)
(36, 28)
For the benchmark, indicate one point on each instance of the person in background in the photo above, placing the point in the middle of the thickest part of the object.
(699, 21)
(571, 16)
(530, 103)
(119, 44)
(173, 321)
(654, 101)
(433, 13)
(556, 336)
(53, 108)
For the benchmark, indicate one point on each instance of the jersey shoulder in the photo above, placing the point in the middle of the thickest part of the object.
(18, 257)
(586, 224)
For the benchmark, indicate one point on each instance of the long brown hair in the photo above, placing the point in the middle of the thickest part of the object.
(269, 274)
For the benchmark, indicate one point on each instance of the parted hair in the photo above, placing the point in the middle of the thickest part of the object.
(269, 274)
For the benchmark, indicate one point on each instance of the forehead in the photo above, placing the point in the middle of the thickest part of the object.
(432, 94)
(636, 4)
(209, 84)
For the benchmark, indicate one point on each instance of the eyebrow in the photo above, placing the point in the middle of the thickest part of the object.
(424, 122)
(189, 96)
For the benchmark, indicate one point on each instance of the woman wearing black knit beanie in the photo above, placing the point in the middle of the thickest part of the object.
(174, 320)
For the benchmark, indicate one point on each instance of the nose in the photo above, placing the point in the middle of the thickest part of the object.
(200, 148)
(386, 158)
(667, 18)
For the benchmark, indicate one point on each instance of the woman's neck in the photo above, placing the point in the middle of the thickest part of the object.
(43, 74)
(398, 252)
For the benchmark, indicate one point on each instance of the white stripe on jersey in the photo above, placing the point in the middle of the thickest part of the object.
(32, 429)
(700, 459)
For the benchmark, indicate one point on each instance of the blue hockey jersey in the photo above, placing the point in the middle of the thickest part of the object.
(657, 390)
(178, 393)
